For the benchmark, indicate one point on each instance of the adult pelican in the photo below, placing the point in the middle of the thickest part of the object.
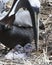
(12, 32)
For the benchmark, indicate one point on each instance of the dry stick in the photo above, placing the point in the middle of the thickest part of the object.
(46, 21)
